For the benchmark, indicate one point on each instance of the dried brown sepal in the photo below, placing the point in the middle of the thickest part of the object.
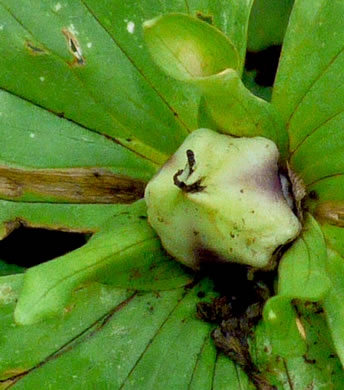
(331, 212)
(299, 190)
(70, 185)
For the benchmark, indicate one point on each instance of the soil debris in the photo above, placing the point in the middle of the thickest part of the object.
(237, 311)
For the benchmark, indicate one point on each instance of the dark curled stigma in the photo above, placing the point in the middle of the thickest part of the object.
(191, 160)
(194, 187)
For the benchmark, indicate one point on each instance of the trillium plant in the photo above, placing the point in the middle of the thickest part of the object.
(214, 218)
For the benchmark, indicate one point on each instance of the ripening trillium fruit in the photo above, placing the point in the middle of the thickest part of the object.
(220, 198)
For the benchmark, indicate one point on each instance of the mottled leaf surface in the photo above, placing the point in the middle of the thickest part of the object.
(317, 367)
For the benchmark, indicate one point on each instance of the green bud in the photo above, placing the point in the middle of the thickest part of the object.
(220, 198)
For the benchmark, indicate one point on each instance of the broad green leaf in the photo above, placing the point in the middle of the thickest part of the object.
(318, 368)
(75, 67)
(142, 341)
(309, 63)
(124, 23)
(36, 138)
(334, 238)
(281, 326)
(334, 301)
(125, 253)
(24, 347)
(311, 160)
(49, 159)
(187, 48)
(308, 92)
(268, 22)
(9, 269)
(227, 376)
(302, 276)
(203, 375)
(302, 270)
(84, 218)
(176, 345)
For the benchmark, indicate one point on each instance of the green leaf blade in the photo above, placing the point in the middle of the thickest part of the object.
(302, 272)
(282, 329)
(122, 338)
(128, 109)
(125, 253)
(333, 303)
(314, 33)
(35, 138)
(26, 347)
(307, 92)
(302, 277)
